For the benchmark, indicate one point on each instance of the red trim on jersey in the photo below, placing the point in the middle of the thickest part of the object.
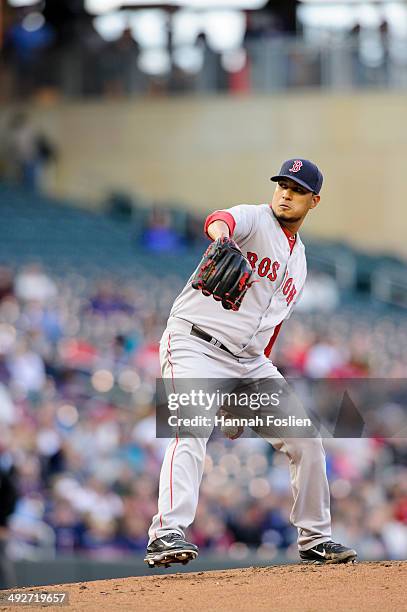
(220, 215)
(290, 237)
(272, 340)
(287, 232)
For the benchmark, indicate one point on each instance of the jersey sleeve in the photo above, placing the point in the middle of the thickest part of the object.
(220, 215)
(240, 219)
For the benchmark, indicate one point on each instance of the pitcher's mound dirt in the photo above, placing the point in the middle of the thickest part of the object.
(363, 587)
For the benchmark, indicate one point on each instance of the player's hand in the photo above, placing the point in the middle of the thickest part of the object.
(232, 432)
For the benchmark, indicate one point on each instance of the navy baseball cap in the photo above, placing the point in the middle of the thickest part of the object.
(303, 172)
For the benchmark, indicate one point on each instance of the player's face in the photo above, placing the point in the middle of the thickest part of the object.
(291, 201)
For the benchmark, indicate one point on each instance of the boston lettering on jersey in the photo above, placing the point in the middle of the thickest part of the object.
(269, 270)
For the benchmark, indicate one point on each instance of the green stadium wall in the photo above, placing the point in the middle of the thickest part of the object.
(214, 152)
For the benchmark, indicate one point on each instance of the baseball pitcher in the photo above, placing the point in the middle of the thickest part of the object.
(223, 326)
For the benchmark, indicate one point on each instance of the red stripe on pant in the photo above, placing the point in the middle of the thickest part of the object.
(172, 460)
(169, 357)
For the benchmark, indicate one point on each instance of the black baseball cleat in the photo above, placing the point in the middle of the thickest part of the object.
(169, 549)
(328, 552)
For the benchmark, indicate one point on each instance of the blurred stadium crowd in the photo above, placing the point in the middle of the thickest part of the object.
(79, 460)
(78, 362)
(53, 49)
(80, 50)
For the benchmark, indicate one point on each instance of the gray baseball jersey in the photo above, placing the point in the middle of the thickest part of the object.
(279, 274)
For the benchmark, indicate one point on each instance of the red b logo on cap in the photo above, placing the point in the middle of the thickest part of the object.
(296, 166)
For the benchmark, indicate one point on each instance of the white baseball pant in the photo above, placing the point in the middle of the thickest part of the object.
(186, 356)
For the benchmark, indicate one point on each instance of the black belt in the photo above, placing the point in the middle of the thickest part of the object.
(196, 331)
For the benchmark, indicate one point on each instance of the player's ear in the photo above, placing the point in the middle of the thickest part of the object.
(315, 201)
